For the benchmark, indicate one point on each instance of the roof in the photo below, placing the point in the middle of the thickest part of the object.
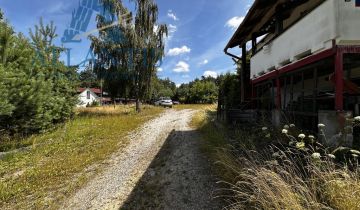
(94, 90)
(260, 11)
(261, 14)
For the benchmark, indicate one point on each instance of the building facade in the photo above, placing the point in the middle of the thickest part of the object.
(305, 61)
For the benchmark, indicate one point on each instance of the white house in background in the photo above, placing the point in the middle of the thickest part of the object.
(88, 96)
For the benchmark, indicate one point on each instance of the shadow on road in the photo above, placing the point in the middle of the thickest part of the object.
(179, 177)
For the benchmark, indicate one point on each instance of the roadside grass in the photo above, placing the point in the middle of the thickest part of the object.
(194, 106)
(252, 178)
(59, 162)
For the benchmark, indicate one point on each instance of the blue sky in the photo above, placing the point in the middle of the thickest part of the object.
(199, 31)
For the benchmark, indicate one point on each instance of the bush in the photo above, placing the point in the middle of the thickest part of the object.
(37, 90)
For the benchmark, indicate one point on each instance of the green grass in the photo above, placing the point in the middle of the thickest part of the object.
(61, 161)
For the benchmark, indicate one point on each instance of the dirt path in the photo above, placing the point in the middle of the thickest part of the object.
(161, 168)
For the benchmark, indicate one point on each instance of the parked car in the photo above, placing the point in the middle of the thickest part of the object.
(165, 102)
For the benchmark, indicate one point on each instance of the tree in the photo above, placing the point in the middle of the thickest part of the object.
(112, 48)
(229, 90)
(151, 39)
(37, 90)
(127, 53)
(88, 78)
(199, 91)
(1, 15)
(162, 88)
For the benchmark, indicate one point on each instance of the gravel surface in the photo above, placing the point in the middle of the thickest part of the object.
(161, 168)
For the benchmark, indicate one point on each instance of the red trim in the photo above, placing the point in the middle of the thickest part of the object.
(306, 61)
(94, 90)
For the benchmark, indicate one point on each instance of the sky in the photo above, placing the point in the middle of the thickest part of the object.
(199, 31)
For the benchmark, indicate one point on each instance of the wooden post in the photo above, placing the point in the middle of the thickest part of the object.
(339, 81)
(278, 96)
(243, 72)
(253, 44)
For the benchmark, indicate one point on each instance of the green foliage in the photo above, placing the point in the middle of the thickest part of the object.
(198, 91)
(37, 90)
(229, 90)
(88, 78)
(162, 88)
(127, 53)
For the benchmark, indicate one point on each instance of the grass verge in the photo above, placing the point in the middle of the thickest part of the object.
(258, 175)
(195, 106)
(59, 162)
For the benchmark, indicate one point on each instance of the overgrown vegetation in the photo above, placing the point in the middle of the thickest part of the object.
(36, 89)
(59, 162)
(199, 91)
(265, 169)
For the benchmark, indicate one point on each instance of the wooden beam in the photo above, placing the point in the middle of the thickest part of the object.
(339, 81)
(243, 72)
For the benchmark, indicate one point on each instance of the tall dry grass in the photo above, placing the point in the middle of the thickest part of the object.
(287, 180)
(259, 175)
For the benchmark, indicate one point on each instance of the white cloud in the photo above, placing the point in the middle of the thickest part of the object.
(178, 51)
(235, 22)
(172, 15)
(204, 62)
(160, 69)
(212, 74)
(172, 29)
(182, 67)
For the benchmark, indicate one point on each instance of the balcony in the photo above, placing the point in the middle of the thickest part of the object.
(332, 20)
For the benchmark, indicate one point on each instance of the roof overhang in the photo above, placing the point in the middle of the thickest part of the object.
(260, 16)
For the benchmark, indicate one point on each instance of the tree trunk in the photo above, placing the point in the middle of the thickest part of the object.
(138, 108)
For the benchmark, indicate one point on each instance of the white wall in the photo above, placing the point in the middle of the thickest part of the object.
(334, 19)
(85, 101)
(348, 23)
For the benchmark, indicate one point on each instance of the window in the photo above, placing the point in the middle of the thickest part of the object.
(88, 94)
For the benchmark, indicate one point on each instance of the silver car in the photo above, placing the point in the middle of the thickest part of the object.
(165, 102)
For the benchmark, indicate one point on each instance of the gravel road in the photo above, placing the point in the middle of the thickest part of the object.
(161, 168)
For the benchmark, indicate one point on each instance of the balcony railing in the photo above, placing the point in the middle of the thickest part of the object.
(332, 20)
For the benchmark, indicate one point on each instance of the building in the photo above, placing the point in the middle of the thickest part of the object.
(88, 96)
(305, 61)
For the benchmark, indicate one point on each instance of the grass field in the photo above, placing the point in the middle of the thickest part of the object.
(59, 162)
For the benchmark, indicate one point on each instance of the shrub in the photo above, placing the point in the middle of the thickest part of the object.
(36, 89)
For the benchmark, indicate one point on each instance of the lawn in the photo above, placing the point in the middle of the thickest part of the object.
(59, 162)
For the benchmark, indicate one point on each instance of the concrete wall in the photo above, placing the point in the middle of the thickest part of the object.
(334, 19)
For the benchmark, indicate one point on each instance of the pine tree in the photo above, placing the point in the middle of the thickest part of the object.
(36, 93)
